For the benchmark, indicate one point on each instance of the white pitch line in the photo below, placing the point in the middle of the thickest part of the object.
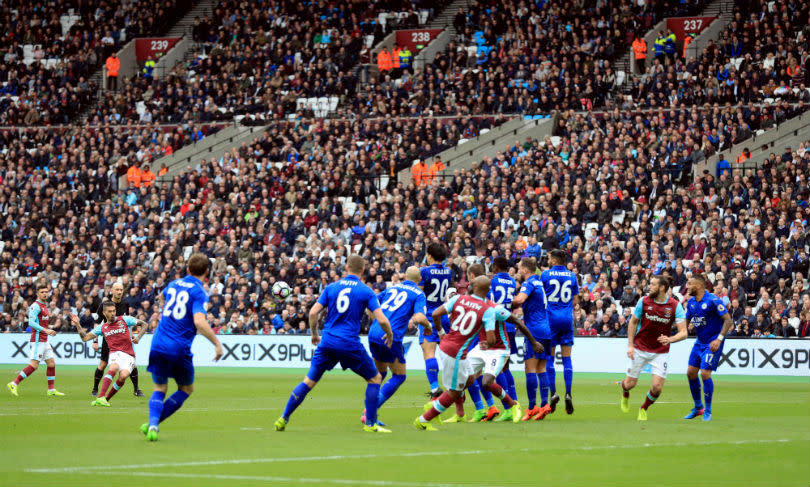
(294, 480)
(243, 461)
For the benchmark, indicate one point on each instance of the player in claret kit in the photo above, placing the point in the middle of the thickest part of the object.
(39, 320)
(401, 304)
(648, 340)
(467, 315)
(562, 293)
(345, 301)
(118, 337)
(712, 321)
(502, 292)
(435, 282)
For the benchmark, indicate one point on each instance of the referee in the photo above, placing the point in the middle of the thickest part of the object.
(121, 309)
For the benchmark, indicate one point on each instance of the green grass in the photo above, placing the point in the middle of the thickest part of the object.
(759, 436)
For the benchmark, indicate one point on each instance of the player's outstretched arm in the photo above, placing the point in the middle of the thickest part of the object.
(631, 335)
(201, 323)
(519, 300)
(82, 334)
(537, 346)
(314, 318)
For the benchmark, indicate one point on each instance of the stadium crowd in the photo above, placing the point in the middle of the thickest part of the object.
(51, 49)
(614, 190)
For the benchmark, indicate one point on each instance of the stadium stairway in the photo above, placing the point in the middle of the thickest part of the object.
(489, 142)
(789, 133)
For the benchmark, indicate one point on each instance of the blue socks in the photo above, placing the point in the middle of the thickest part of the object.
(708, 391)
(156, 408)
(475, 395)
(504, 383)
(568, 373)
(510, 380)
(531, 389)
(432, 372)
(372, 398)
(694, 388)
(172, 404)
(485, 393)
(383, 375)
(389, 388)
(543, 388)
(552, 374)
(296, 398)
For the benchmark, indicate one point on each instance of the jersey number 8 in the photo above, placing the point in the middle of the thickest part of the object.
(176, 305)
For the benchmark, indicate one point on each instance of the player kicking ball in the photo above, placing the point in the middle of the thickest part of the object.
(648, 340)
(117, 333)
(345, 302)
(401, 304)
(468, 314)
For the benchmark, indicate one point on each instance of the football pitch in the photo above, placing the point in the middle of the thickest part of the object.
(760, 435)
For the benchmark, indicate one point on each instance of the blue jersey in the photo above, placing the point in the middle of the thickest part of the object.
(399, 303)
(183, 298)
(706, 315)
(502, 291)
(345, 300)
(435, 282)
(561, 286)
(534, 308)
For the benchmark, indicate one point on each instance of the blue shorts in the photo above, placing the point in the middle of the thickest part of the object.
(164, 366)
(528, 351)
(512, 342)
(326, 358)
(563, 335)
(703, 358)
(433, 337)
(381, 353)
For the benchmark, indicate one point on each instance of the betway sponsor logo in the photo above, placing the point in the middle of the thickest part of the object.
(659, 319)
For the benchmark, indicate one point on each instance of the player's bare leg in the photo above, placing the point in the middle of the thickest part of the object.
(655, 391)
(33, 365)
(568, 375)
(694, 388)
(122, 378)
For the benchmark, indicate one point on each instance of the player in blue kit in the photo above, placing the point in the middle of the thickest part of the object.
(345, 301)
(712, 321)
(502, 291)
(562, 294)
(401, 304)
(435, 282)
(183, 316)
(532, 298)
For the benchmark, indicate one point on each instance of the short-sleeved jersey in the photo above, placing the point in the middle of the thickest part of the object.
(468, 314)
(502, 291)
(345, 300)
(38, 314)
(435, 282)
(183, 298)
(121, 309)
(534, 308)
(501, 340)
(561, 287)
(117, 334)
(399, 303)
(707, 316)
(655, 319)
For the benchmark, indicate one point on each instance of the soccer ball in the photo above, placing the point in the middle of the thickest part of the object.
(281, 290)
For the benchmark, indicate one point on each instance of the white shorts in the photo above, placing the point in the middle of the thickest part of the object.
(657, 361)
(41, 351)
(124, 361)
(455, 372)
(489, 361)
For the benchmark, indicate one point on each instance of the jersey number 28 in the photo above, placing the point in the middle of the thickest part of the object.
(176, 305)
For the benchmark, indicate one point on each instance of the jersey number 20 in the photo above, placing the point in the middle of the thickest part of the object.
(176, 305)
(464, 322)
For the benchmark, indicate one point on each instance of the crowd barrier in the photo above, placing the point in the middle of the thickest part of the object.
(590, 354)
